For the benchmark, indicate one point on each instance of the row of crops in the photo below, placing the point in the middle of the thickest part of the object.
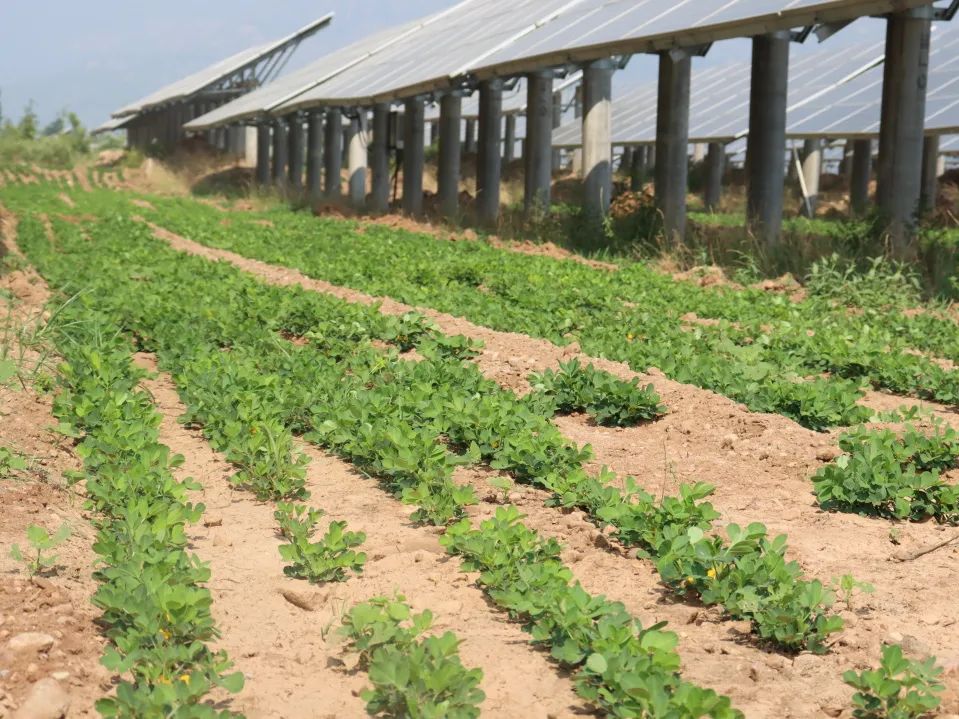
(258, 366)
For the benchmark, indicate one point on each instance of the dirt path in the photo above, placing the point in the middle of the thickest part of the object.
(761, 465)
(50, 616)
(293, 660)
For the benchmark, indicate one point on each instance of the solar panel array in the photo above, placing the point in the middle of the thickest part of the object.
(428, 59)
(196, 82)
(514, 99)
(854, 108)
(719, 96)
(263, 99)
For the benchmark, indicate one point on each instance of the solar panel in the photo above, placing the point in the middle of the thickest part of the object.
(427, 60)
(265, 98)
(114, 123)
(599, 28)
(196, 82)
(719, 96)
(854, 108)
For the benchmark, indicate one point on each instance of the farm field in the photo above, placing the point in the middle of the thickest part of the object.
(325, 467)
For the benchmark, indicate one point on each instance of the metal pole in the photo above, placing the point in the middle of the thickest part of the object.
(413, 156)
(470, 146)
(380, 156)
(637, 172)
(930, 174)
(859, 180)
(489, 162)
(357, 161)
(672, 142)
(715, 165)
(597, 136)
(538, 153)
(578, 115)
(333, 153)
(314, 155)
(451, 112)
(766, 146)
(509, 140)
(297, 151)
(557, 122)
(263, 155)
(281, 150)
(899, 170)
(812, 172)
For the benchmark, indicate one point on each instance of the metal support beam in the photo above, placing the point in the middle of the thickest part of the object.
(380, 158)
(281, 150)
(899, 171)
(297, 150)
(538, 150)
(314, 155)
(672, 142)
(859, 180)
(812, 174)
(766, 146)
(357, 161)
(413, 156)
(489, 161)
(930, 174)
(557, 123)
(509, 140)
(333, 153)
(713, 185)
(451, 113)
(637, 170)
(263, 155)
(469, 147)
(578, 115)
(597, 136)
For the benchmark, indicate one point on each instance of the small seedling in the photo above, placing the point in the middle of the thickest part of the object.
(296, 520)
(10, 461)
(41, 541)
(847, 585)
(504, 485)
(327, 560)
(900, 688)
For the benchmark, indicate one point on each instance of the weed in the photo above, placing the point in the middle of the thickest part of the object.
(38, 560)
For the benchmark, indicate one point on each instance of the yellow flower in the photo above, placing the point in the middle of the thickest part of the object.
(630, 337)
(185, 678)
(711, 574)
(690, 581)
(166, 634)
(163, 680)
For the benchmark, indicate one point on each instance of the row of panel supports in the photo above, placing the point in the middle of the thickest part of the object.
(900, 170)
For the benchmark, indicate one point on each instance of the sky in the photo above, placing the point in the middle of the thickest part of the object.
(94, 57)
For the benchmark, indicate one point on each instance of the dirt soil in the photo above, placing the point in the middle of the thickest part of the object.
(47, 623)
(761, 466)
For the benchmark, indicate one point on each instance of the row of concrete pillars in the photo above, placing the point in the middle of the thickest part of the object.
(163, 129)
(899, 168)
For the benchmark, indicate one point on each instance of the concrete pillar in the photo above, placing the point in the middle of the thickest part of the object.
(263, 155)
(434, 133)
(357, 161)
(297, 150)
(899, 171)
(489, 161)
(509, 139)
(451, 113)
(699, 152)
(333, 153)
(637, 170)
(845, 167)
(766, 146)
(626, 160)
(413, 157)
(380, 158)
(672, 142)
(314, 155)
(469, 147)
(930, 174)
(859, 179)
(812, 172)
(557, 122)
(538, 150)
(940, 166)
(597, 136)
(281, 150)
(713, 185)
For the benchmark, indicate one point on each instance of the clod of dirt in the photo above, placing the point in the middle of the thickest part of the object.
(46, 700)
(30, 643)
